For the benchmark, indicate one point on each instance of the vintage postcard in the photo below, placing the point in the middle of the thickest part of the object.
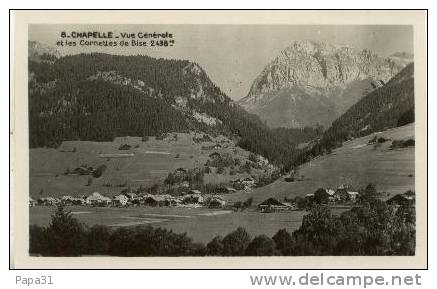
(213, 139)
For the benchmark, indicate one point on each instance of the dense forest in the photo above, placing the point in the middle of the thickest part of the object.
(98, 97)
(97, 111)
(386, 107)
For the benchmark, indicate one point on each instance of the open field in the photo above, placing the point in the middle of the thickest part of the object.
(200, 224)
(355, 163)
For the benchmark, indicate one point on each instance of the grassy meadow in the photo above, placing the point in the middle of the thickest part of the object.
(151, 162)
(355, 163)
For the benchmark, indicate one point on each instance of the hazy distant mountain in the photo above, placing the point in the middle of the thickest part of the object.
(312, 83)
(42, 52)
(402, 58)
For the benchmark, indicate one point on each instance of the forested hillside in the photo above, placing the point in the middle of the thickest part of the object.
(99, 96)
(382, 108)
(389, 106)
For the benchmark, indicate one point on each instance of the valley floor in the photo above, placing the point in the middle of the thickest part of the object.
(356, 163)
(200, 224)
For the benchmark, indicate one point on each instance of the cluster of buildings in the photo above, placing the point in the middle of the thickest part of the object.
(244, 183)
(193, 198)
(343, 194)
(274, 205)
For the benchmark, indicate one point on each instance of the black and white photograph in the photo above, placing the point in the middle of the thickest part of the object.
(223, 140)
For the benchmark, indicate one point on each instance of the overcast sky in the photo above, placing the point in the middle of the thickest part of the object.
(233, 55)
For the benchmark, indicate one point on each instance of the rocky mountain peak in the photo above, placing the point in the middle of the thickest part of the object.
(319, 75)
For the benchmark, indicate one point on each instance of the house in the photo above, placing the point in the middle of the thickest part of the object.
(165, 200)
(150, 200)
(32, 202)
(97, 199)
(193, 197)
(120, 200)
(341, 195)
(185, 184)
(48, 201)
(217, 197)
(353, 196)
(153, 200)
(245, 184)
(180, 171)
(78, 201)
(216, 202)
(290, 205)
(344, 187)
(131, 195)
(173, 202)
(67, 200)
(272, 205)
(406, 199)
(124, 147)
(158, 200)
(331, 194)
(309, 196)
(72, 201)
(223, 190)
(237, 184)
(248, 182)
(270, 202)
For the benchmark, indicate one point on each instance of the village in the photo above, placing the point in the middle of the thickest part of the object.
(186, 198)
(185, 187)
(193, 199)
(343, 196)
